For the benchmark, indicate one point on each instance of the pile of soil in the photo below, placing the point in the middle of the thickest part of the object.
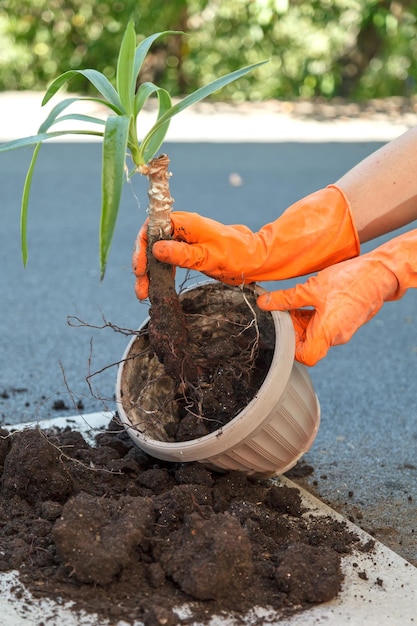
(131, 538)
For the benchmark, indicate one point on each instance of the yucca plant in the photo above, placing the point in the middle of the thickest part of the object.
(121, 140)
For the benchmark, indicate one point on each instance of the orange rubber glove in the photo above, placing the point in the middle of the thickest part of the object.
(311, 234)
(345, 296)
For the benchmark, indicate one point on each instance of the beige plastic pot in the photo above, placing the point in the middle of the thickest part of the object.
(266, 438)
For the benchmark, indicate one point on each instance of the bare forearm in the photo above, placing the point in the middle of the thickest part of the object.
(382, 189)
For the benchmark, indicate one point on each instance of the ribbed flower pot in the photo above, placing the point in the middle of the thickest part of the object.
(266, 438)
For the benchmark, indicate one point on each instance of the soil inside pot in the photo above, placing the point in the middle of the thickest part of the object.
(231, 345)
(131, 538)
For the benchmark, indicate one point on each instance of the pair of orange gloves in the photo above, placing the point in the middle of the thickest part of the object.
(316, 234)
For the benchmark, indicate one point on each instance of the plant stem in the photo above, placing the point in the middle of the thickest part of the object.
(167, 326)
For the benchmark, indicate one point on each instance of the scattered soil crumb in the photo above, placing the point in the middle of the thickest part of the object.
(130, 538)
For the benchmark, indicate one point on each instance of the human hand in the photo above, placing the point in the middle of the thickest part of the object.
(311, 234)
(345, 296)
(198, 243)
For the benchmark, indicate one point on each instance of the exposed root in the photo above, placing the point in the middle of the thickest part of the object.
(167, 327)
(231, 346)
(77, 322)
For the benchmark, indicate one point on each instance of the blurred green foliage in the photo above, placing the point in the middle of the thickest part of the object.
(349, 48)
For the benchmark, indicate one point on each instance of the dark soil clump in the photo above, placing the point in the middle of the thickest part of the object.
(131, 538)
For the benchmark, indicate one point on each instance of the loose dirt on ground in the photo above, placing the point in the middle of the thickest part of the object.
(128, 537)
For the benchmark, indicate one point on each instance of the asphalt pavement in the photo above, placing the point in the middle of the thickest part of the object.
(62, 330)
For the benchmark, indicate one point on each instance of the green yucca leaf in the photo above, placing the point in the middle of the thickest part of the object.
(61, 106)
(80, 117)
(193, 98)
(25, 205)
(155, 142)
(144, 92)
(53, 114)
(98, 80)
(165, 103)
(35, 139)
(113, 166)
(143, 48)
(125, 80)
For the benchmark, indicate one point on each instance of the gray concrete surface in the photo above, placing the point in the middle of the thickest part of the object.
(364, 457)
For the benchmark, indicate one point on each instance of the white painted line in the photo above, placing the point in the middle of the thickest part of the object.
(19, 608)
(385, 595)
(391, 602)
(88, 425)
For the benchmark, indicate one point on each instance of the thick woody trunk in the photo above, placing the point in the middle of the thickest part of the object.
(167, 327)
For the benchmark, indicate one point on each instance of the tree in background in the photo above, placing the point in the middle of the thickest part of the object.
(382, 58)
(349, 48)
(42, 38)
